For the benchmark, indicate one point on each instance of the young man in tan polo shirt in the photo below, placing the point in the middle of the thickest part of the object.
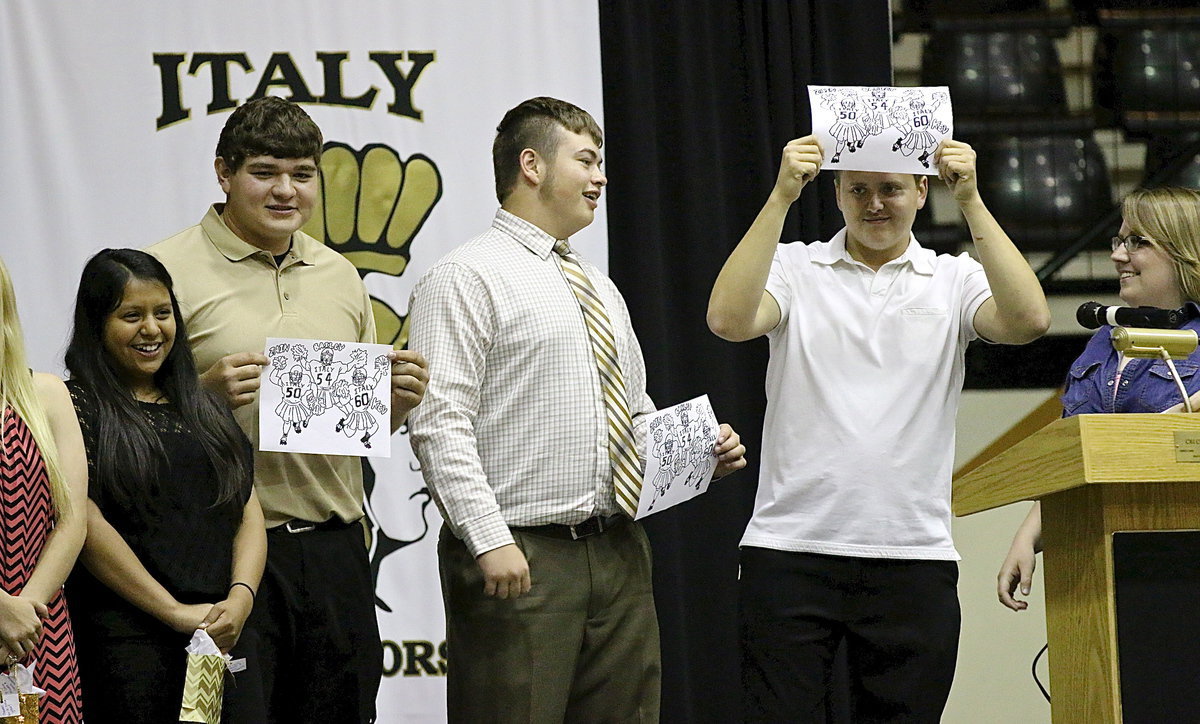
(244, 273)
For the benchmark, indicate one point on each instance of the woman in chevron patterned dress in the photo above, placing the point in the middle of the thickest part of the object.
(176, 540)
(43, 488)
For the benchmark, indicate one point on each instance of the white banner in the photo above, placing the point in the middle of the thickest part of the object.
(111, 112)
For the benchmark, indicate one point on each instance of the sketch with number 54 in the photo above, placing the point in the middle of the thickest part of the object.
(320, 396)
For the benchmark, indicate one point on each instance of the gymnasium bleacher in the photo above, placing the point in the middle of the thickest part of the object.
(1069, 106)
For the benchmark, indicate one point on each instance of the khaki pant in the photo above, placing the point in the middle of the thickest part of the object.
(581, 646)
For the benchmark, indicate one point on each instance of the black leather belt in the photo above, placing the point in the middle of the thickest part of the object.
(592, 526)
(306, 526)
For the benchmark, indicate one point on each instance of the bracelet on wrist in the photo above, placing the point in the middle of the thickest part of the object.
(245, 585)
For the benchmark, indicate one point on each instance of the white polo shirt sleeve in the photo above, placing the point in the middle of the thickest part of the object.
(778, 284)
(975, 291)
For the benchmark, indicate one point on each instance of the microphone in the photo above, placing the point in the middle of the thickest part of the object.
(1093, 316)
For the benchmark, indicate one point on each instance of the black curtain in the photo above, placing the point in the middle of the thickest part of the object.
(700, 97)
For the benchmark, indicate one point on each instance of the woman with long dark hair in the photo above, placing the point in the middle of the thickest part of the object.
(43, 486)
(176, 538)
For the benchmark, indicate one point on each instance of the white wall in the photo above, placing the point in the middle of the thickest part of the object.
(993, 681)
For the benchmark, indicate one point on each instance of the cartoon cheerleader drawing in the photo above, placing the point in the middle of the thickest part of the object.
(292, 409)
(324, 373)
(689, 456)
(664, 445)
(913, 122)
(849, 130)
(355, 399)
(700, 455)
(876, 113)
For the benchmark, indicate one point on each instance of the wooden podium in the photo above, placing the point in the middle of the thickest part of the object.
(1095, 475)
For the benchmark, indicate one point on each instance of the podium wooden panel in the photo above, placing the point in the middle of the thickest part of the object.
(1095, 475)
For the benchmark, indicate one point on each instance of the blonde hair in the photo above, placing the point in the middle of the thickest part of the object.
(17, 389)
(1170, 215)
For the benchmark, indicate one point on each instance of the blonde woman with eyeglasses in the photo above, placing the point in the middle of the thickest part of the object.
(1157, 257)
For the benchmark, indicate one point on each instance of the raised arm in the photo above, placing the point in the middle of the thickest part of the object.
(740, 308)
(1017, 311)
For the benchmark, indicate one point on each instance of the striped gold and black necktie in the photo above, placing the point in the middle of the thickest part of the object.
(627, 478)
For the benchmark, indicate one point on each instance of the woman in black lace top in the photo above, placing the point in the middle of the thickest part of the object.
(176, 538)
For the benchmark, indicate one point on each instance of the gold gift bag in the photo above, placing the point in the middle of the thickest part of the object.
(29, 708)
(203, 688)
(16, 686)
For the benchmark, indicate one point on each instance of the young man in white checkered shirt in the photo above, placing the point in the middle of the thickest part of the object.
(547, 582)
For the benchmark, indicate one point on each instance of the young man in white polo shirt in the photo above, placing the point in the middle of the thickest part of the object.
(850, 537)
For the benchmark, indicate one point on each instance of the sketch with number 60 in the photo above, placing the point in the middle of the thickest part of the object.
(881, 128)
(320, 396)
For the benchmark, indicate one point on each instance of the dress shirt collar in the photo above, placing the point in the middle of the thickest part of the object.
(533, 238)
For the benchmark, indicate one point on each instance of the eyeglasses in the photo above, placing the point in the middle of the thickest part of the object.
(1132, 243)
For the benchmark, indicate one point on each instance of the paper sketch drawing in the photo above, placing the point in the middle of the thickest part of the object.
(880, 128)
(680, 460)
(325, 397)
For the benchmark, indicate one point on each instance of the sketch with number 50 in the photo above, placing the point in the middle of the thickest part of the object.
(881, 128)
(318, 396)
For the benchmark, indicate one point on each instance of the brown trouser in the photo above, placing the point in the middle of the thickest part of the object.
(581, 646)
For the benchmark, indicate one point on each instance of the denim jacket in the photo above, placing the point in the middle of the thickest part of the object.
(1145, 385)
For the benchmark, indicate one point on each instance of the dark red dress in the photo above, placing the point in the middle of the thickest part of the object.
(26, 519)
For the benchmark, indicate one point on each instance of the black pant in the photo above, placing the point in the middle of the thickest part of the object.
(139, 678)
(899, 620)
(133, 678)
(314, 630)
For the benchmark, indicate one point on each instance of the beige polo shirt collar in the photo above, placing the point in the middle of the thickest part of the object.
(235, 249)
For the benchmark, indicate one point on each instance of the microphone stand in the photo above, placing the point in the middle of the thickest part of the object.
(1187, 400)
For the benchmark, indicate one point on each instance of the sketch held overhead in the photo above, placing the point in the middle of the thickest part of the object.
(325, 397)
(880, 128)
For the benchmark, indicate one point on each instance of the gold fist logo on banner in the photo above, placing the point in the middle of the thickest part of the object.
(370, 207)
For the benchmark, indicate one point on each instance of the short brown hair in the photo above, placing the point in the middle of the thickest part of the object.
(534, 124)
(1170, 216)
(268, 126)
